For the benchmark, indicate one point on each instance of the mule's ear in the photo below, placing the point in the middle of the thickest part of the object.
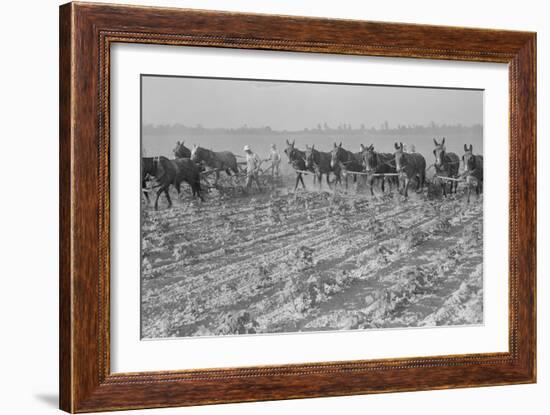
(362, 147)
(443, 141)
(312, 146)
(371, 147)
(465, 147)
(287, 142)
(293, 141)
(396, 145)
(471, 148)
(401, 145)
(335, 145)
(435, 142)
(340, 145)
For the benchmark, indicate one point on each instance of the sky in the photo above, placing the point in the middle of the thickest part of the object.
(230, 103)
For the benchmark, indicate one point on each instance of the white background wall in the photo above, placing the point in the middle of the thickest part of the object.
(29, 208)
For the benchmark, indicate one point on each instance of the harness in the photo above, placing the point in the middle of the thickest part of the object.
(294, 157)
(446, 165)
(452, 162)
(350, 159)
(391, 163)
(316, 161)
(379, 161)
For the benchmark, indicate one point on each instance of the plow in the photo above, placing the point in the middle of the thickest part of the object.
(236, 182)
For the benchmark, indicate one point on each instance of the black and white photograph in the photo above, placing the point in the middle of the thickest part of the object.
(278, 206)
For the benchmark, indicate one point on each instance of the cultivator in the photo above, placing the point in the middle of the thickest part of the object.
(235, 184)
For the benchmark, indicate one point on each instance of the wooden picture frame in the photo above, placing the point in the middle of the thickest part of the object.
(86, 33)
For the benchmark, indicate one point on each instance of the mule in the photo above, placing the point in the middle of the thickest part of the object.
(188, 171)
(446, 165)
(163, 171)
(171, 172)
(346, 162)
(473, 170)
(217, 160)
(375, 164)
(410, 166)
(297, 159)
(148, 169)
(180, 151)
(320, 163)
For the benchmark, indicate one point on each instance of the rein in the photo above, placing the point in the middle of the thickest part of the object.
(350, 160)
(379, 161)
(315, 158)
(392, 165)
(448, 161)
(295, 157)
(469, 172)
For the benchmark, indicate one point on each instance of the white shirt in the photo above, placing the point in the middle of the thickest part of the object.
(253, 162)
(275, 156)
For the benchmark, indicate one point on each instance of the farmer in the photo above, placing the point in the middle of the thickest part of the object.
(253, 163)
(275, 158)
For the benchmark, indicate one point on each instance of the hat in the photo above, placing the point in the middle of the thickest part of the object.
(246, 148)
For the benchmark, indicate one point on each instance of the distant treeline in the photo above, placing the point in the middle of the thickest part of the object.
(343, 129)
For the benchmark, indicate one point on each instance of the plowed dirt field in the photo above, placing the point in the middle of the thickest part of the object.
(284, 261)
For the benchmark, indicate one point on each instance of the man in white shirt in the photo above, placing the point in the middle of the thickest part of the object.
(275, 158)
(253, 163)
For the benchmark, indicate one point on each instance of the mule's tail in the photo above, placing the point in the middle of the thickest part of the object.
(234, 165)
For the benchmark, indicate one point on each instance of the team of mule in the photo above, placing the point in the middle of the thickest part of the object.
(170, 172)
(399, 169)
